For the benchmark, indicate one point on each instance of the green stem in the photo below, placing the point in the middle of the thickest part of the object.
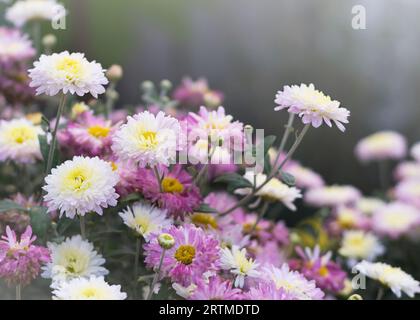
(380, 294)
(18, 292)
(273, 173)
(54, 134)
(383, 175)
(203, 169)
(82, 227)
(158, 178)
(287, 131)
(36, 35)
(109, 105)
(136, 265)
(156, 277)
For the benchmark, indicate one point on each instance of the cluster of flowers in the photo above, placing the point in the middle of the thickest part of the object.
(205, 231)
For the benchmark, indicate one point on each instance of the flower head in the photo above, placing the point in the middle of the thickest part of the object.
(305, 177)
(81, 185)
(19, 141)
(312, 106)
(145, 219)
(73, 258)
(332, 196)
(93, 288)
(21, 260)
(147, 139)
(14, 46)
(67, 72)
(215, 289)
(295, 285)
(23, 11)
(237, 262)
(193, 254)
(415, 151)
(407, 170)
(381, 146)
(196, 93)
(266, 290)
(357, 245)
(394, 278)
(408, 191)
(274, 190)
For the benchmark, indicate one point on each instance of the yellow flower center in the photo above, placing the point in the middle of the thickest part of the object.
(323, 271)
(22, 134)
(89, 293)
(204, 219)
(172, 185)
(77, 180)
(147, 140)
(185, 254)
(35, 117)
(99, 131)
(114, 166)
(72, 68)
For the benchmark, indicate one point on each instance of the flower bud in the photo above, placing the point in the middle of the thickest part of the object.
(166, 241)
(147, 86)
(49, 40)
(114, 73)
(166, 85)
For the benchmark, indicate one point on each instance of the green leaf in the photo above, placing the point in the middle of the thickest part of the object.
(287, 178)
(268, 143)
(6, 205)
(63, 225)
(40, 220)
(234, 181)
(267, 164)
(45, 124)
(205, 208)
(131, 197)
(45, 148)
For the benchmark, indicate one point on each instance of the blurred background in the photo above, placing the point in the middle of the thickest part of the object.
(250, 49)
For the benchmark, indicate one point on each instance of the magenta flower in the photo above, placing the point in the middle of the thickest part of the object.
(267, 291)
(179, 196)
(20, 261)
(327, 274)
(215, 289)
(197, 93)
(193, 254)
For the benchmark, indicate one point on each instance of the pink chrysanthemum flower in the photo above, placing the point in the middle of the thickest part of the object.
(312, 106)
(193, 254)
(395, 219)
(21, 261)
(196, 93)
(346, 217)
(327, 274)
(415, 151)
(217, 125)
(179, 195)
(267, 291)
(407, 170)
(408, 191)
(215, 289)
(382, 145)
(332, 196)
(14, 46)
(88, 135)
(305, 178)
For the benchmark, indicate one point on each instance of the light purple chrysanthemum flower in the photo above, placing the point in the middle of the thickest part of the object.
(215, 289)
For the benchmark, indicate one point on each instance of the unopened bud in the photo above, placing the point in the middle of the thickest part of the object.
(114, 73)
(147, 85)
(49, 40)
(166, 85)
(166, 241)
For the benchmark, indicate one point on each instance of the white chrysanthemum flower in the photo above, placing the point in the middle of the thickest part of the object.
(237, 262)
(394, 278)
(19, 141)
(312, 106)
(94, 288)
(24, 11)
(73, 258)
(147, 139)
(145, 219)
(358, 245)
(67, 72)
(81, 185)
(415, 151)
(381, 145)
(14, 45)
(293, 283)
(368, 205)
(274, 190)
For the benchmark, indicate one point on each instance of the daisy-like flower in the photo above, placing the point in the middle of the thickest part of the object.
(215, 289)
(88, 135)
(79, 108)
(67, 72)
(415, 151)
(305, 178)
(274, 190)
(21, 260)
(147, 139)
(216, 125)
(193, 254)
(395, 219)
(382, 145)
(178, 195)
(19, 141)
(81, 185)
(73, 258)
(237, 262)
(409, 191)
(145, 219)
(196, 93)
(24, 11)
(312, 106)
(407, 170)
(14, 46)
(327, 274)
(93, 288)
(349, 218)
(265, 290)
(394, 278)
(332, 196)
(359, 245)
(293, 283)
(368, 205)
